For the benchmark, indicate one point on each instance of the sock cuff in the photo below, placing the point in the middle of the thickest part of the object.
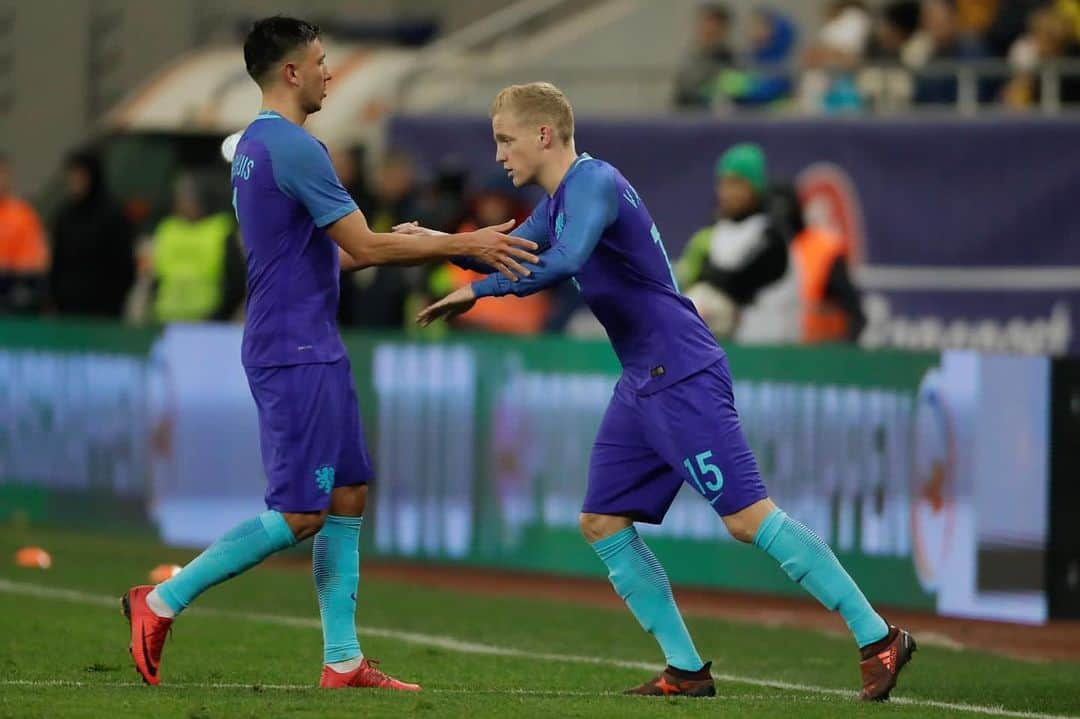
(343, 520)
(770, 527)
(166, 595)
(275, 525)
(340, 526)
(611, 545)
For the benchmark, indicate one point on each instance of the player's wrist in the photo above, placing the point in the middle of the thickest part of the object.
(463, 244)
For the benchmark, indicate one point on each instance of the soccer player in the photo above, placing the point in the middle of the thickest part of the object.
(672, 418)
(299, 226)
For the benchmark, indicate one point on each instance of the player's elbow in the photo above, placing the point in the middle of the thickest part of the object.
(361, 257)
(349, 262)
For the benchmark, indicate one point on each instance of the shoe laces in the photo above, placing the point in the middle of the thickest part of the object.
(377, 674)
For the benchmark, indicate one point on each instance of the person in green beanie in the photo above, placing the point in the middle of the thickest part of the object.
(734, 265)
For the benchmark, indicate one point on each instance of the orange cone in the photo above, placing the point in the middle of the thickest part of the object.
(162, 572)
(33, 558)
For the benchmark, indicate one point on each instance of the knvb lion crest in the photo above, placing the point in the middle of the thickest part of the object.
(324, 477)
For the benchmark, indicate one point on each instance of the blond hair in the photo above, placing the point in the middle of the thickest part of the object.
(538, 103)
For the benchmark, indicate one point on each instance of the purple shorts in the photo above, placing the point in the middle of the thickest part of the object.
(310, 433)
(648, 445)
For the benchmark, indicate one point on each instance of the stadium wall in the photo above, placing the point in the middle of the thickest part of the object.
(964, 234)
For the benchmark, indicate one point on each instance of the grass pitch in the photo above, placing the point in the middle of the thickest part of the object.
(252, 648)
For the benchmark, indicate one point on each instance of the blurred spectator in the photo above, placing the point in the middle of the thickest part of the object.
(441, 205)
(494, 201)
(24, 256)
(349, 164)
(772, 38)
(1070, 10)
(711, 54)
(887, 84)
(829, 305)
(93, 266)
(394, 193)
(828, 83)
(198, 266)
(941, 40)
(1049, 38)
(1008, 23)
(726, 267)
(377, 296)
(974, 17)
(894, 30)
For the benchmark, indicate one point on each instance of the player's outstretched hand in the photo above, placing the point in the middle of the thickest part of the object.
(414, 228)
(492, 246)
(460, 300)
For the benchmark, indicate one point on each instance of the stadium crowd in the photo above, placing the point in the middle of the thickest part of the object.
(757, 270)
(889, 56)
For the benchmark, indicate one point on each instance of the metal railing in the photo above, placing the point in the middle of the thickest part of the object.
(977, 85)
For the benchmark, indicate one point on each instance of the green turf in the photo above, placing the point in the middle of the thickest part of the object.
(83, 642)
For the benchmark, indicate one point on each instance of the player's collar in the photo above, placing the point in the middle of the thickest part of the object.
(573, 166)
(578, 160)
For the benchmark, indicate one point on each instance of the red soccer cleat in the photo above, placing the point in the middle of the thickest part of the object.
(148, 633)
(366, 676)
(882, 667)
(675, 682)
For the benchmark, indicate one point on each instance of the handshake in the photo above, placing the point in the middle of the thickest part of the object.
(488, 245)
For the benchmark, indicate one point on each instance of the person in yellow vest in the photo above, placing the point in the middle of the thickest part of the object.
(197, 261)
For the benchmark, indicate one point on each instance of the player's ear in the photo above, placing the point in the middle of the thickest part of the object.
(290, 73)
(545, 136)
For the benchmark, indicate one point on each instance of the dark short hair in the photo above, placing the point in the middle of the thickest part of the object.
(273, 38)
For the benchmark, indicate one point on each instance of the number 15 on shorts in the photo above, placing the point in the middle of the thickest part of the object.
(699, 474)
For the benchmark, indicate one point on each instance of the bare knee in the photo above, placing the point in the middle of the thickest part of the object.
(349, 501)
(595, 527)
(744, 524)
(741, 530)
(304, 524)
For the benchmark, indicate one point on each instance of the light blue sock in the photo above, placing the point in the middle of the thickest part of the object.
(242, 547)
(643, 584)
(808, 561)
(335, 561)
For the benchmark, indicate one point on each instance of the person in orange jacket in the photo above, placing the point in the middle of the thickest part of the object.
(830, 308)
(24, 255)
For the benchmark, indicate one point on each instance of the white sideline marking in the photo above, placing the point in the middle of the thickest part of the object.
(464, 647)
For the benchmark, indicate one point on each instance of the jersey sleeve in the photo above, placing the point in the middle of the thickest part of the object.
(303, 171)
(534, 228)
(591, 206)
